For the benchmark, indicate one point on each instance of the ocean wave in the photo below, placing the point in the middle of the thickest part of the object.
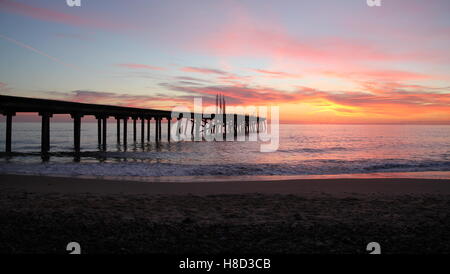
(312, 150)
(171, 169)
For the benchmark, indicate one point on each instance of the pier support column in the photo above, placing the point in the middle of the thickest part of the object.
(134, 129)
(148, 129)
(142, 130)
(125, 132)
(224, 127)
(235, 127)
(118, 130)
(105, 119)
(45, 132)
(9, 116)
(168, 129)
(77, 132)
(192, 128)
(257, 124)
(246, 126)
(160, 128)
(156, 129)
(99, 131)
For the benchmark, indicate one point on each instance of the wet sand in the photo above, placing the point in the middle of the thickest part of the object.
(42, 214)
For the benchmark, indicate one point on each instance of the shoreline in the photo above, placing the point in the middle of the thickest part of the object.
(330, 186)
(314, 216)
(439, 175)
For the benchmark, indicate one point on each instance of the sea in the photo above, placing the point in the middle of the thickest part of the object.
(304, 151)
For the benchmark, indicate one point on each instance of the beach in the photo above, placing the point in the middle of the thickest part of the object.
(40, 214)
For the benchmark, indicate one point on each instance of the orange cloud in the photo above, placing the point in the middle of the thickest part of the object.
(396, 104)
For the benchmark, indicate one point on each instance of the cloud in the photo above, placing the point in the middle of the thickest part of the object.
(276, 74)
(50, 15)
(111, 98)
(204, 70)
(249, 37)
(380, 75)
(397, 103)
(23, 45)
(186, 78)
(4, 88)
(72, 36)
(139, 66)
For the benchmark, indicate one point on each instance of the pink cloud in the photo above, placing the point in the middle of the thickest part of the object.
(380, 75)
(140, 66)
(277, 74)
(246, 37)
(395, 99)
(45, 14)
(111, 98)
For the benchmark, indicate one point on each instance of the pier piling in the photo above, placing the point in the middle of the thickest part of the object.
(105, 120)
(8, 131)
(142, 130)
(148, 129)
(77, 132)
(156, 129)
(118, 130)
(10, 105)
(159, 128)
(168, 129)
(45, 132)
(125, 132)
(99, 131)
(134, 129)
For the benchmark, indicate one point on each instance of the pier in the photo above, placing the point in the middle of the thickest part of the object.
(234, 125)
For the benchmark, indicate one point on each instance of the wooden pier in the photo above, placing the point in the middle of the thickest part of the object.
(10, 105)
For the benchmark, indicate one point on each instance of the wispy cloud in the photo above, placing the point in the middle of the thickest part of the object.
(204, 70)
(276, 74)
(139, 66)
(50, 15)
(119, 99)
(23, 45)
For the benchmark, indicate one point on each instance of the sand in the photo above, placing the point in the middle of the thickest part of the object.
(42, 214)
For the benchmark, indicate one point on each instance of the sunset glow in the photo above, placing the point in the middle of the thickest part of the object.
(348, 63)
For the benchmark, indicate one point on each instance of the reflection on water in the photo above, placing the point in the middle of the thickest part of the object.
(304, 149)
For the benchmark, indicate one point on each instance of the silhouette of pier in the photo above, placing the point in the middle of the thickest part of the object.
(228, 124)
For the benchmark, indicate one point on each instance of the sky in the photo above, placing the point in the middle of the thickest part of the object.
(322, 61)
